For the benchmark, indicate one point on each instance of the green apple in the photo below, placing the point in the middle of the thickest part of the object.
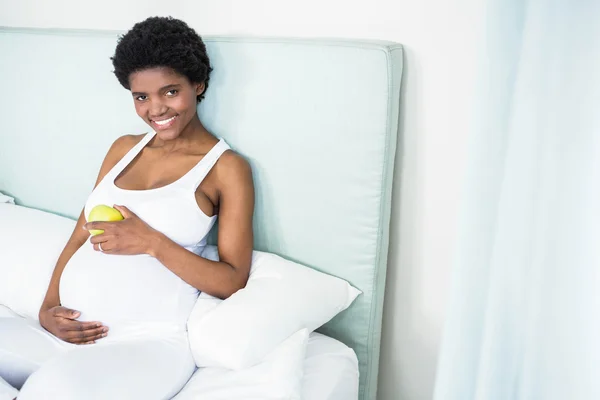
(105, 214)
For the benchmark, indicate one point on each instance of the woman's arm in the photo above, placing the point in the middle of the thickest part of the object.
(50, 311)
(77, 239)
(236, 207)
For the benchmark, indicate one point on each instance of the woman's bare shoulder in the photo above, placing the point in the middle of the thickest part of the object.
(122, 145)
(233, 168)
(117, 150)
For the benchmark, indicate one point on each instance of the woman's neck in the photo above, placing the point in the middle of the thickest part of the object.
(194, 132)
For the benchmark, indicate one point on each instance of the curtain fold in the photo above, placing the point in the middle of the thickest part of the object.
(524, 315)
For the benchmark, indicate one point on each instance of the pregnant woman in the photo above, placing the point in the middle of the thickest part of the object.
(113, 322)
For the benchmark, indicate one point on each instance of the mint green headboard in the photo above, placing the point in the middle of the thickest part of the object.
(317, 119)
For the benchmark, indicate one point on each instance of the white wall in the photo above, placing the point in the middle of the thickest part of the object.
(440, 39)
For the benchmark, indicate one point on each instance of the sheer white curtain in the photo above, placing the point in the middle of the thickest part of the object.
(524, 317)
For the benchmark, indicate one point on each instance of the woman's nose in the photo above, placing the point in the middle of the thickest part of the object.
(157, 109)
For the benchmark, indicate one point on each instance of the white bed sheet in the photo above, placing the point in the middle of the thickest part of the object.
(7, 392)
(330, 372)
(330, 369)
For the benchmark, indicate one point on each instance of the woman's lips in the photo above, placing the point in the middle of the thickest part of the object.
(164, 123)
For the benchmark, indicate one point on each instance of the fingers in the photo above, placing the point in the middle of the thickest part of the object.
(71, 325)
(87, 336)
(98, 239)
(101, 242)
(106, 248)
(98, 225)
(65, 312)
(80, 332)
(125, 212)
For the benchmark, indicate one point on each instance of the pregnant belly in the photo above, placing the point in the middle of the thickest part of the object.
(115, 289)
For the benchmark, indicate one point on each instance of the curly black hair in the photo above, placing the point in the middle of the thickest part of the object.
(162, 42)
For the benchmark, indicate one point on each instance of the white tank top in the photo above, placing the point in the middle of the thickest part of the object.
(139, 291)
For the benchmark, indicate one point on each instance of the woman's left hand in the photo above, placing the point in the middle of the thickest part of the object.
(127, 237)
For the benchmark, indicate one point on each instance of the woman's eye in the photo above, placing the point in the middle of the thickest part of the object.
(141, 98)
(172, 92)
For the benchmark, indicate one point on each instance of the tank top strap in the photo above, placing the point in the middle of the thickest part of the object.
(194, 178)
(129, 156)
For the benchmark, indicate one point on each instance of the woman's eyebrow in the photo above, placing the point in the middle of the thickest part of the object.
(173, 85)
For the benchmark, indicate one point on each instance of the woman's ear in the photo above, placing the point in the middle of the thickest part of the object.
(200, 88)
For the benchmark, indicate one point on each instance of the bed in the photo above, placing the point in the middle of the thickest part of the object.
(317, 119)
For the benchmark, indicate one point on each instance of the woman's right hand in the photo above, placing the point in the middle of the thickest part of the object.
(61, 322)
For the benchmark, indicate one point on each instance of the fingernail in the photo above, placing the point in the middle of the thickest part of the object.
(104, 334)
(105, 330)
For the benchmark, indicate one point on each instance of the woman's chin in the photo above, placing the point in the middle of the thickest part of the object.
(168, 133)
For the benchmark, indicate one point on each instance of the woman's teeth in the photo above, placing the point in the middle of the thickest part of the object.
(164, 121)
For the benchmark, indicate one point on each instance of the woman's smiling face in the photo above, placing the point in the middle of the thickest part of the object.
(165, 100)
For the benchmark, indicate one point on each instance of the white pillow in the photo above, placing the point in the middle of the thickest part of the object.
(278, 377)
(6, 199)
(6, 312)
(7, 391)
(281, 298)
(30, 243)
